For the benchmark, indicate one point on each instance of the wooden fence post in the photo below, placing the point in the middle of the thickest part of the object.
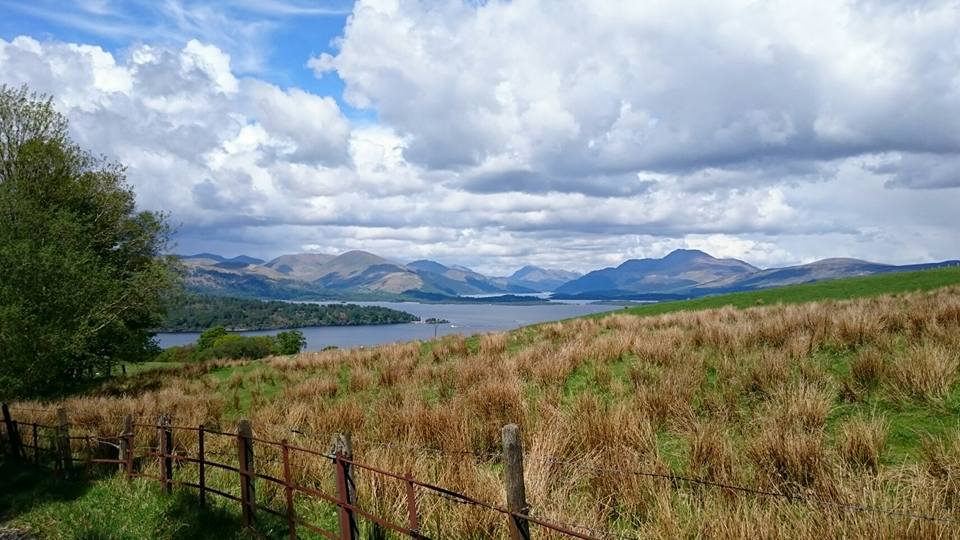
(166, 452)
(342, 447)
(248, 493)
(125, 445)
(202, 466)
(513, 482)
(15, 446)
(288, 491)
(63, 432)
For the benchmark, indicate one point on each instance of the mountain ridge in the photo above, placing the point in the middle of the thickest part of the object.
(682, 273)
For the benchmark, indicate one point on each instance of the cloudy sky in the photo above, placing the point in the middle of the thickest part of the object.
(493, 133)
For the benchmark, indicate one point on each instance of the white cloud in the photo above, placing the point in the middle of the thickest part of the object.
(573, 136)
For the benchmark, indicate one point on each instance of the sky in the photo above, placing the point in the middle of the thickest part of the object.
(493, 134)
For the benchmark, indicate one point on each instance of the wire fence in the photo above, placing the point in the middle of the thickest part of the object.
(23, 441)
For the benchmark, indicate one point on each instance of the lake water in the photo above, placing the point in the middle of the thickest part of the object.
(466, 319)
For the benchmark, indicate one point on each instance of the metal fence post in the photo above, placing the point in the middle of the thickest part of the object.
(513, 482)
(288, 491)
(343, 499)
(248, 494)
(63, 432)
(201, 465)
(125, 447)
(36, 446)
(342, 445)
(15, 447)
(413, 517)
(166, 453)
(130, 448)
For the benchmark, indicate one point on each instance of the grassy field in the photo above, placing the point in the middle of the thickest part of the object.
(843, 400)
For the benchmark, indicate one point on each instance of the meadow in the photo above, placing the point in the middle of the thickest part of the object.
(836, 401)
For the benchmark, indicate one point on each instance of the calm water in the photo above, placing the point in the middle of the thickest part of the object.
(466, 319)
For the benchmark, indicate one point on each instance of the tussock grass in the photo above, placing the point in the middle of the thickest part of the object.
(845, 400)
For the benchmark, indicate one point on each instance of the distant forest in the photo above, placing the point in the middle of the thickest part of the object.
(195, 313)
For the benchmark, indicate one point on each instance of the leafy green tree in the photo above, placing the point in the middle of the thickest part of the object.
(210, 336)
(289, 342)
(81, 271)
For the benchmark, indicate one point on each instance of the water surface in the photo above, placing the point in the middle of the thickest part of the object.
(466, 319)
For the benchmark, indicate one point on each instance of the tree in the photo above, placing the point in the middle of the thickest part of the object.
(82, 274)
(289, 342)
(209, 336)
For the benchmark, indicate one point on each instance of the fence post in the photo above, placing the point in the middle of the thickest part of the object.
(413, 519)
(513, 482)
(201, 458)
(36, 446)
(166, 452)
(130, 448)
(126, 447)
(63, 432)
(342, 446)
(13, 435)
(248, 493)
(288, 491)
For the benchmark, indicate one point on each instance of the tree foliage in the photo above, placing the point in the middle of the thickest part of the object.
(216, 344)
(81, 272)
(187, 313)
(289, 342)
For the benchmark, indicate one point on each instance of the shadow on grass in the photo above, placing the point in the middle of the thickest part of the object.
(109, 506)
(23, 486)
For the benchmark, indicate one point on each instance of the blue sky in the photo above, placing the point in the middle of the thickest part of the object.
(498, 134)
(284, 34)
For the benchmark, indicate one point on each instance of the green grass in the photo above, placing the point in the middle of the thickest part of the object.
(837, 289)
(111, 508)
(143, 367)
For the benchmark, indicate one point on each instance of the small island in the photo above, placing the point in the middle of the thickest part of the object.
(434, 320)
(195, 313)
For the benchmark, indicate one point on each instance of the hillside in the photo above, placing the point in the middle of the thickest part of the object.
(845, 403)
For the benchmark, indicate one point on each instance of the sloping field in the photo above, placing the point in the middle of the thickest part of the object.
(834, 403)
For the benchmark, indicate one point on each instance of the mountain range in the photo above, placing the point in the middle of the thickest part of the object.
(683, 273)
(355, 274)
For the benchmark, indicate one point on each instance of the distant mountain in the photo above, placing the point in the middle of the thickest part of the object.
(683, 273)
(302, 266)
(806, 273)
(460, 280)
(680, 270)
(204, 256)
(540, 279)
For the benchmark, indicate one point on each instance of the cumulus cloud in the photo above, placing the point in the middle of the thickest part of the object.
(572, 135)
(593, 88)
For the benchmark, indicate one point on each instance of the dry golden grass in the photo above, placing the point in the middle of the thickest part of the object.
(801, 400)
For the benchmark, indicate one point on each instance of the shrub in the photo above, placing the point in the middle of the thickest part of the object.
(289, 342)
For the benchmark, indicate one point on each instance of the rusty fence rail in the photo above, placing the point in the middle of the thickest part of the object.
(134, 461)
(22, 441)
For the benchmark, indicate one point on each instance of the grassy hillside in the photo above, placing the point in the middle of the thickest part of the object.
(847, 401)
(837, 289)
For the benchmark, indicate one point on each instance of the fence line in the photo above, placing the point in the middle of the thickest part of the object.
(166, 456)
(339, 460)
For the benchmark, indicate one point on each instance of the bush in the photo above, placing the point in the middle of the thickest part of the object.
(289, 342)
(235, 347)
(182, 353)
